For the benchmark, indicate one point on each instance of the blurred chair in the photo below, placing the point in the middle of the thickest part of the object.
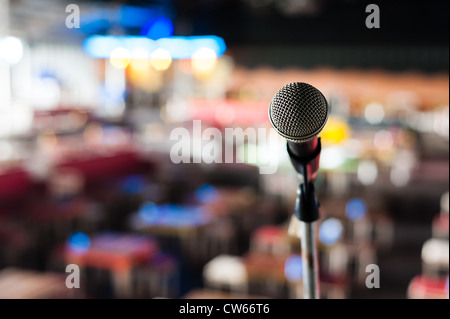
(220, 237)
(158, 277)
(270, 239)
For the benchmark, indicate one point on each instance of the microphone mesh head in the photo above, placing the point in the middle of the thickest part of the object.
(298, 112)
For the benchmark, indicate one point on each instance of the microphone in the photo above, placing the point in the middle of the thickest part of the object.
(299, 112)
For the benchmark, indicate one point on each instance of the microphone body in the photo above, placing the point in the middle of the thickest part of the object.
(305, 152)
(298, 112)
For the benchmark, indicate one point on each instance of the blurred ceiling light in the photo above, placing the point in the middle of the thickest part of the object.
(336, 131)
(204, 61)
(179, 47)
(374, 113)
(11, 49)
(332, 157)
(330, 231)
(160, 59)
(120, 58)
(140, 53)
(367, 172)
(383, 140)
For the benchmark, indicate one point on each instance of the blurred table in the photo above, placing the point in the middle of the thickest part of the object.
(116, 252)
(97, 166)
(25, 284)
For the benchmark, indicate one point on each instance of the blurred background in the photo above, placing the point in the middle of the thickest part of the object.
(92, 91)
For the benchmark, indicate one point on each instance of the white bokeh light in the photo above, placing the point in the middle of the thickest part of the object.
(367, 172)
(11, 49)
(374, 113)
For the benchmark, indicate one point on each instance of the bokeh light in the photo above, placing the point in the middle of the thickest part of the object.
(120, 58)
(79, 242)
(293, 268)
(160, 59)
(330, 231)
(355, 209)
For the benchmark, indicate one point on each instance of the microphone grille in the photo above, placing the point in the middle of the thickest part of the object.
(298, 111)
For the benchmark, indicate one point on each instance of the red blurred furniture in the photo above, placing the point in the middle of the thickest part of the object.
(422, 287)
(116, 252)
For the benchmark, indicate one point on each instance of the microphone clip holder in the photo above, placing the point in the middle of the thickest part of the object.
(306, 204)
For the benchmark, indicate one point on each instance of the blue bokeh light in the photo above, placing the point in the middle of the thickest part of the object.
(79, 242)
(206, 194)
(171, 215)
(293, 268)
(355, 209)
(330, 231)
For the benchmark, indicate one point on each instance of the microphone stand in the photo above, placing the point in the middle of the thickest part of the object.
(307, 211)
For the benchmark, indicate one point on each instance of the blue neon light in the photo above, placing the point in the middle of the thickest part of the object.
(179, 47)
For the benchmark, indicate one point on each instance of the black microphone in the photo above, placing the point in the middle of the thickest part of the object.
(299, 112)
